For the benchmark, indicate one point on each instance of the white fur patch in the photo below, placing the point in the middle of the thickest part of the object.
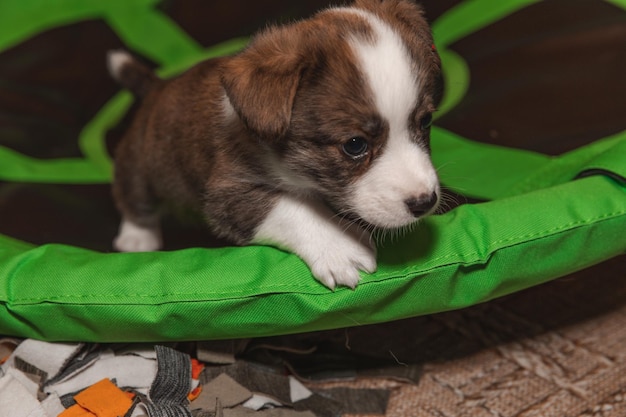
(116, 60)
(229, 112)
(388, 68)
(404, 170)
(135, 238)
(334, 249)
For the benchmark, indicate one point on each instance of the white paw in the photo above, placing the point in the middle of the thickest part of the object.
(334, 249)
(338, 262)
(134, 238)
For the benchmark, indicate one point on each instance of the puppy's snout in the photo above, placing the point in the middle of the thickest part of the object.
(422, 205)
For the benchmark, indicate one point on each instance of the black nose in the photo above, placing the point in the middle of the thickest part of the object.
(421, 205)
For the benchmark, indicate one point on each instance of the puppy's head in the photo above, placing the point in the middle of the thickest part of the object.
(345, 100)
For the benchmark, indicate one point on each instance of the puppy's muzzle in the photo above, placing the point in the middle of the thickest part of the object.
(422, 205)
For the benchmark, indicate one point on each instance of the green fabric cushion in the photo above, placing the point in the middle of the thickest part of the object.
(541, 222)
(472, 254)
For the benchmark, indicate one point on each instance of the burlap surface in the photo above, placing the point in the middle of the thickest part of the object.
(555, 350)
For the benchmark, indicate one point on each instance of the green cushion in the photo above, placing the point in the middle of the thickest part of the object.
(545, 217)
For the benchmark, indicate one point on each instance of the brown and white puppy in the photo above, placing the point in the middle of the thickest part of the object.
(309, 139)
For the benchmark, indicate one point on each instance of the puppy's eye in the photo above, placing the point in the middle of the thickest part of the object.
(355, 147)
(427, 121)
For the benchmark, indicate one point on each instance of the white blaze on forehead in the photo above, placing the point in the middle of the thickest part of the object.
(388, 69)
(404, 170)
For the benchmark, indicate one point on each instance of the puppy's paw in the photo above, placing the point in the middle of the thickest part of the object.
(339, 263)
(334, 249)
(134, 238)
(337, 258)
(136, 243)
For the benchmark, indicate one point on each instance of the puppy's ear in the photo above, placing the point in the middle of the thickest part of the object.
(261, 82)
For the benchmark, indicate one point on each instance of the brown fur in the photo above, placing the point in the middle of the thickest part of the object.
(298, 96)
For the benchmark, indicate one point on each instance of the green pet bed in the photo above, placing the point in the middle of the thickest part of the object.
(541, 218)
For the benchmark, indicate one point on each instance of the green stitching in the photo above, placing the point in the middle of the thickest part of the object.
(407, 274)
(496, 245)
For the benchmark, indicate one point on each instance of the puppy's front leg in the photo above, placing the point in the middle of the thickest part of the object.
(333, 248)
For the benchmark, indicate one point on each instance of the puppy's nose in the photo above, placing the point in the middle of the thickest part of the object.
(421, 205)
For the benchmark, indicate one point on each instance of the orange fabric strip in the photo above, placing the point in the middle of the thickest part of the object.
(76, 411)
(104, 399)
(196, 368)
(195, 393)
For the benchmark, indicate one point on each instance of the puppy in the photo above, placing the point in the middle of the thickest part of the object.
(308, 140)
